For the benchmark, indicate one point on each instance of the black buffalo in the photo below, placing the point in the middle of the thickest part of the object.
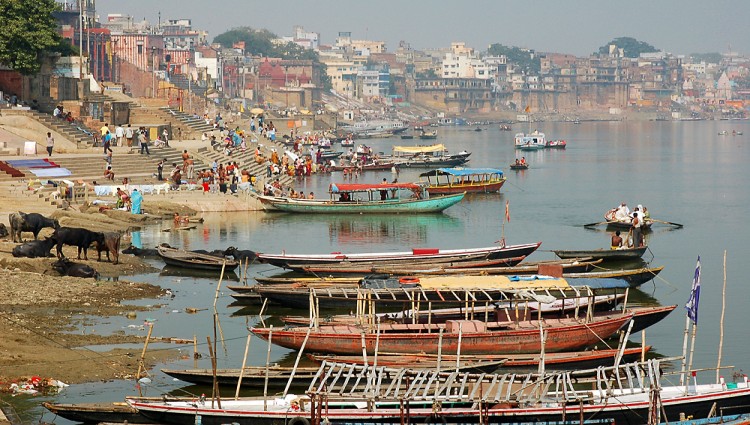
(82, 238)
(3, 230)
(140, 252)
(32, 222)
(215, 253)
(35, 249)
(111, 244)
(68, 268)
(241, 254)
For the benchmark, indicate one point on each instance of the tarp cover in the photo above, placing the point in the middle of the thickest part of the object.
(342, 187)
(599, 283)
(419, 149)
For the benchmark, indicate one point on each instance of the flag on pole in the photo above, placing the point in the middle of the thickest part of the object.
(527, 109)
(695, 293)
(507, 211)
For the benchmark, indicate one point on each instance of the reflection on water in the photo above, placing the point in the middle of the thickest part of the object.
(207, 274)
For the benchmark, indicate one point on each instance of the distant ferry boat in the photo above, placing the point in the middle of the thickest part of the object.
(376, 128)
(531, 141)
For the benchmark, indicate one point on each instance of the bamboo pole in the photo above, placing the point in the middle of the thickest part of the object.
(296, 362)
(141, 362)
(218, 287)
(439, 359)
(643, 345)
(268, 360)
(244, 363)
(683, 380)
(458, 349)
(195, 352)
(721, 322)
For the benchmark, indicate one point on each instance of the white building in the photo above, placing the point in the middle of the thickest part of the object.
(462, 66)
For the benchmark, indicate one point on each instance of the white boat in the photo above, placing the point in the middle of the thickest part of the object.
(531, 141)
(375, 128)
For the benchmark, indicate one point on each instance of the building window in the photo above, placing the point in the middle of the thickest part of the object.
(140, 49)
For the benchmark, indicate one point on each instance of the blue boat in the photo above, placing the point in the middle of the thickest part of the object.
(383, 198)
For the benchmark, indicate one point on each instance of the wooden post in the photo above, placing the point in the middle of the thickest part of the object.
(268, 360)
(296, 361)
(141, 362)
(215, 395)
(244, 362)
(216, 296)
(195, 352)
(721, 322)
(458, 349)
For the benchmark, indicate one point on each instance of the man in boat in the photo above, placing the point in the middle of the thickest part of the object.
(622, 213)
(384, 193)
(616, 240)
(523, 160)
(637, 234)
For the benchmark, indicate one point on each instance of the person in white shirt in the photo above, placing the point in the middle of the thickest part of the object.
(129, 135)
(119, 134)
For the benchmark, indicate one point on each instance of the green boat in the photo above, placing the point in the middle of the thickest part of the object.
(385, 198)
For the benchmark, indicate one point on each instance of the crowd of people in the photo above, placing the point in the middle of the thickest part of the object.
(638, 223)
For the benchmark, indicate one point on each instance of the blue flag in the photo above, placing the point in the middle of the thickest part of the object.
(695, 294)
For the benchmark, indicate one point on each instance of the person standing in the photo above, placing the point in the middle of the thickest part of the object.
(119, 135)
(104, 130)
(129, 135)
(50, 143)
(165, 137)
(107, 142)
(160, 170)
(637, 235)
(143, 141)
(135, 202)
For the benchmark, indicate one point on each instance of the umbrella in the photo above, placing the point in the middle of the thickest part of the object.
(256, 111)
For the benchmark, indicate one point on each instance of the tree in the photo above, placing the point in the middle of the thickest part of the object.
(631, 47)
(27, 29)
(524, 58)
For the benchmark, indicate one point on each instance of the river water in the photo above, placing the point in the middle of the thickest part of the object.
(682, 171)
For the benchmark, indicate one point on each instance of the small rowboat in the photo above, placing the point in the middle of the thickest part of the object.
(605, 254)
(194, 260)
(612, 221)
(519, 166)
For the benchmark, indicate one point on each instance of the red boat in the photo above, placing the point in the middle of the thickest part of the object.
(475, 337)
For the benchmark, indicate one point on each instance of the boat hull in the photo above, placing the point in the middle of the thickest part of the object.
(95, 413)
(567, 336)
(195, 261)
(410, 206)
(468, 188)
(604, 254)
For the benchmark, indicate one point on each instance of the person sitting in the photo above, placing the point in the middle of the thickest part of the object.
(523, 160)
(518, 161)
(616, 240)
(109, 174)
(311, 196)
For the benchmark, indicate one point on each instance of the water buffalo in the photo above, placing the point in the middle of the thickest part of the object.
(32, 222)
(35, 249)
(140, 252)
(241, 254)
(68, 268)
(111, 244)
(82, 238)
(3, 230)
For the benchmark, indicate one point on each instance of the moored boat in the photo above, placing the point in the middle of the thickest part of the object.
(634, 277)
(605, 254)
(195, 260)
(504, 251)
(469, 180)
(426, 156)
(385, 198)
(95, 413)
(555, 144)
(531, 141)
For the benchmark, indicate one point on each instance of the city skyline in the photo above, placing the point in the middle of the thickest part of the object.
(580, 28)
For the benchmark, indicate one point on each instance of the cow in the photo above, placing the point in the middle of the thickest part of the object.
(241, 254)
(68, 268)
(82, 238)
(32, 222)
(111, 244)
(141, 252)
(35, 249)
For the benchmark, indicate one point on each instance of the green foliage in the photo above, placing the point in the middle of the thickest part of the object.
(632, 48)
(27, 29)
(707, 57)
(259, 43)
(429, 73)
(523, 58)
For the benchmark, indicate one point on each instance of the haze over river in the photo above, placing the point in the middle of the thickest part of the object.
(681, 171)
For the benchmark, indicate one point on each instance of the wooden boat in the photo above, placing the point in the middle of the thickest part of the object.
(428, 135)
(505, 127)
(406, 267)
(386, 198)
(555, 144)
(604, 254)
(416, 254)
(635, 277)
(427, 156)
(547, 398)
(391, 293)
(458, 180)
(407, 136)
(194, 260)
(278, 376)
(510, 266)
(585, 359)
(475, 337)
(95, 413)
(519, 166)
(371, 166)
(612, 221)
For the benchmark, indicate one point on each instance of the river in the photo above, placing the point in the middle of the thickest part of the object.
(682, 171)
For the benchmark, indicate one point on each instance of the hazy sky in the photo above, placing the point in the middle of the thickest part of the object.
(574, 26)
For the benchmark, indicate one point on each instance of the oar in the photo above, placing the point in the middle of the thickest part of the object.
(667, 222)
(595, 224)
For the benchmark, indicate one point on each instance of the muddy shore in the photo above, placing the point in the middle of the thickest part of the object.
(40, 310)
